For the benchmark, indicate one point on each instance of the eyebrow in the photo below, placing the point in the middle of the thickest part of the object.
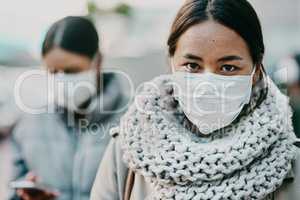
(223, 59)
(192, 57)
(230, 58)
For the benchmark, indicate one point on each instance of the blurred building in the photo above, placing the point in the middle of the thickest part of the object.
(281, 27)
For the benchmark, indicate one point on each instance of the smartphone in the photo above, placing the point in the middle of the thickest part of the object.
(31, 187)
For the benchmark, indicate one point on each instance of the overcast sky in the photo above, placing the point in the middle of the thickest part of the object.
(25, 22)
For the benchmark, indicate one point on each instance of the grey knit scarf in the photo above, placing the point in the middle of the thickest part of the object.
(249, 159)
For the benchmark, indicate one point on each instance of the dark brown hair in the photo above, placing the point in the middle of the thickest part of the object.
(237, 15)
(75, 34)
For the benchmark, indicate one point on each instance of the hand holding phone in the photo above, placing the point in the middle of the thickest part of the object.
(30, 189)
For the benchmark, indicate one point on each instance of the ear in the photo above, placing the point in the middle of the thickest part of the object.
(258, 72)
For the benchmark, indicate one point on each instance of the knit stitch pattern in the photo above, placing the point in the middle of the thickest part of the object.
(249, 159)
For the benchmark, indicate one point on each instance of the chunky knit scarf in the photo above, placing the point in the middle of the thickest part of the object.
(248, 160)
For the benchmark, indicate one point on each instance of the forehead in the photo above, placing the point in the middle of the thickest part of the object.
(60, 59)
(207, 37)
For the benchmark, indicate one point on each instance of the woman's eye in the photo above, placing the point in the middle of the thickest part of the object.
(73, 70)
(229, 68)
(193, 67)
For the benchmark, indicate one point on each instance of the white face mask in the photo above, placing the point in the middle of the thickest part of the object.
(211, 101)
(72, 90)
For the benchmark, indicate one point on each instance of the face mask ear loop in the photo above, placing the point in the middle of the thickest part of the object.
(254, 70)
(252, 74)
(264, 78)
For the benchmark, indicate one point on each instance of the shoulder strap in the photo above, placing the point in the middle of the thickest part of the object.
(129, 184)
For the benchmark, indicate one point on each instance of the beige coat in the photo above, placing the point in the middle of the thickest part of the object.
(111, 179)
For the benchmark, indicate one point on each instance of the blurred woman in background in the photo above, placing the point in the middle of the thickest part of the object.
(216, 128)
(62, 150)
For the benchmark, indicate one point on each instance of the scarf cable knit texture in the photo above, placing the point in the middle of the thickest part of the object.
(248, 160)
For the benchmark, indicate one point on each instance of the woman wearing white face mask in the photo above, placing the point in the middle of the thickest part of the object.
(216, 128)
(62, 150)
